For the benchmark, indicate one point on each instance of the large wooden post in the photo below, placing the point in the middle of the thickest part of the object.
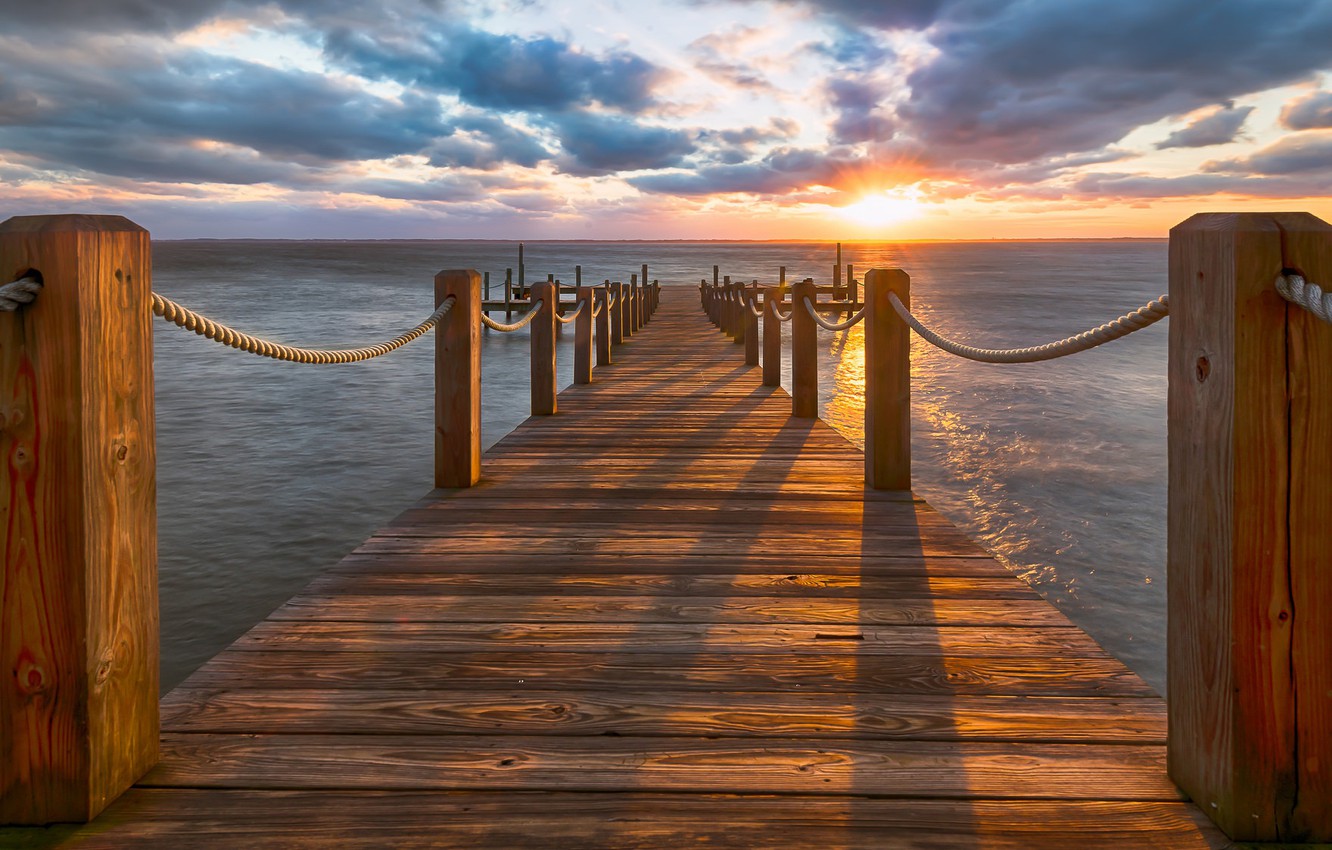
(887, 382)
(79, 627)
(1250, 496)
(583, 336)
(458, 381)
(804, 352)
(543, 350)
(751, 325)
(617, 314)
(772, 339)
(600, 301)
(632, 316)
(837, 272)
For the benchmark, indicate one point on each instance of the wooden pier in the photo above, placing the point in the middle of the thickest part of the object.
(671, 615)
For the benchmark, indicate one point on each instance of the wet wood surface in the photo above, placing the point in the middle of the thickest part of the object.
(669, 615)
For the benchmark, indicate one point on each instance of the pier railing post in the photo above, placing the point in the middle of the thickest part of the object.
(804, 353)
(1250, 489)
(887, 382)
(543, 349)
(617, 314)
(583, 336)
(79, 626)
(603, 326)
(772, 339)
(458, 380)
(751, 325)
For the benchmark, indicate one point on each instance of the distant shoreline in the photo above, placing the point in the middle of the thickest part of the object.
(996, 240)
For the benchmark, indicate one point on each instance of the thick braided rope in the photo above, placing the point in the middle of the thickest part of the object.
(834, 326)
(22, 291)
(752, 304)
(1295, 289)
(564, 320)
(772, 308)
(206, 327)
(1148, 314)
(518, 325)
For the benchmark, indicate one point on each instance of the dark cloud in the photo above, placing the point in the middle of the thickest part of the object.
(1303, 153)
(503, 72)
(1215, 128)
(1015, 81)
(1311, 112)
(601, 144)
(487, 142)
(780, 172)
(856, 102)
(1131, 187)
(168, 16)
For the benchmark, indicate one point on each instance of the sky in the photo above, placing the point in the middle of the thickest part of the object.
(712, 119)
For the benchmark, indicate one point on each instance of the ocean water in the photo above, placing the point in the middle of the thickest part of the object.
(269, 472)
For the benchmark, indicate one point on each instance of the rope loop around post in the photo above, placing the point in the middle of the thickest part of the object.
(189, 320)
(834, 326)
(752, 304)
(1148, 314)
(566, 319)
(1295, 289)
(518, 325)
(20, 292)
(777, 313)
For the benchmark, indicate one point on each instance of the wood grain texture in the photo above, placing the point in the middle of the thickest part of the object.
(1238, 578)
(887, 382)
(458, 381)
(544, 382)
(683, 605)
(804, 353)
(78, 639)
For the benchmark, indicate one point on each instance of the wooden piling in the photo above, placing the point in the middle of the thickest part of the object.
(804, 353)
(633, 303)
(543, 350)
(617, 314)
(79, 632)
(458, 381)
(583, 336)
(837, 273)
(508, 295)
(887, 382)
(772, 339)
(751, 326)
(1250, 596)
(603, 325)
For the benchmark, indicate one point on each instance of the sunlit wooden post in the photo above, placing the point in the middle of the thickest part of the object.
(751, 325)
(79, 626)
(1250, 494)
(583, 336)
(738, 311)
(458, 381)
(543, 349)
(837, 271)
(772, 339)
(600, 301)
(887, 382)
(804, 352)
(617, 314)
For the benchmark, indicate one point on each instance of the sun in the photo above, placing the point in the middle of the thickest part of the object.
(881, 208)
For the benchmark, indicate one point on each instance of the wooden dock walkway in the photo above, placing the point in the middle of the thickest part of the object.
(669, 616)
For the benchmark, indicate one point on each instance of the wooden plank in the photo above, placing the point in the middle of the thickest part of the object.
(921, 717)
(632, 820)
(430, 665)
(928, 769)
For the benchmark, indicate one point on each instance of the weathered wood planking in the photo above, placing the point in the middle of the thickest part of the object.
(669, 615)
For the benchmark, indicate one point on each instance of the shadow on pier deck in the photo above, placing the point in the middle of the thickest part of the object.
(669, 616)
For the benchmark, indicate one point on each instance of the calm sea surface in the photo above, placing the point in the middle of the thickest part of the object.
(268, 472)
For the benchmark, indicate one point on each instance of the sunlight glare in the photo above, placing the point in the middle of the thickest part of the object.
(881, 208)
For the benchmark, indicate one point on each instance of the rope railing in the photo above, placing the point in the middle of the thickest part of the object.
(518, 325)
(834, 326)
(189, 320)
(1149, 314)
(1295, 289)
(752, 304)
(777, 313)
(571, 316)
(22, 291)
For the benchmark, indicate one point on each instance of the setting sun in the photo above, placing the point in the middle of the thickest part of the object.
(881, 208)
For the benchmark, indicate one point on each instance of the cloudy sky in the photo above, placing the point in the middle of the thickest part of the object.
(689, 119)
